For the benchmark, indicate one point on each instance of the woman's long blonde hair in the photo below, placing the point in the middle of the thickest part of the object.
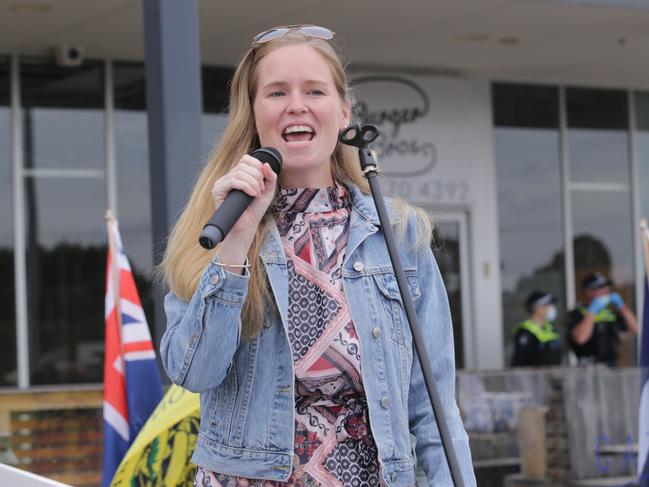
(184, 260)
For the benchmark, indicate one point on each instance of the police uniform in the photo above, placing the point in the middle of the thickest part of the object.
(537, 345)
(603, 344)
(602, 347)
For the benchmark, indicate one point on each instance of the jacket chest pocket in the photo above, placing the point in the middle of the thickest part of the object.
(391, 306)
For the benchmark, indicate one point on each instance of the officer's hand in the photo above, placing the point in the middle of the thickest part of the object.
(599, 304)
(617, 301)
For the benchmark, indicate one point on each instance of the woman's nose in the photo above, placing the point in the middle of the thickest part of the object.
(296, 104)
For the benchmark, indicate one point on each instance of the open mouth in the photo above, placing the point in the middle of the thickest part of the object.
(298, 133)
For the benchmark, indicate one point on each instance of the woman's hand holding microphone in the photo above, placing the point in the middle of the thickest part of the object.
(257, 180)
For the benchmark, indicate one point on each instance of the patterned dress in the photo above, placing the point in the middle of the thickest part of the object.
(333, 443)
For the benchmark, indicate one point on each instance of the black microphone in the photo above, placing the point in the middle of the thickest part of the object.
(235, 203)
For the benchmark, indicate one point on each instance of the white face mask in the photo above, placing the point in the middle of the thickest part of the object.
(552, 313)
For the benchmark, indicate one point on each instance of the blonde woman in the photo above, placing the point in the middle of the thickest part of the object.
(292, 329)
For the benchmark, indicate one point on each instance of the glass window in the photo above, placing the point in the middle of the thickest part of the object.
(527, 147)
(216, 88)
(598, 156)
(66, 262)
(63, 127)
(60, 111)
(213, 126)
(597, 136)
(641, 141)
(133, 183)
(8, 372)
(602, 241)
(216, 83)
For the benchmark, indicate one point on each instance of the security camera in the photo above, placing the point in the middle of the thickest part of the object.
(68, 55)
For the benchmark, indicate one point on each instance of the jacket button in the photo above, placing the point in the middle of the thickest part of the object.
(393, 477)
(376, 332)
(385, 403)
(214, 279)
(358, 266)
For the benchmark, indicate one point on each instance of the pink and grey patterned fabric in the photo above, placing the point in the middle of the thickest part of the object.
(333, 443)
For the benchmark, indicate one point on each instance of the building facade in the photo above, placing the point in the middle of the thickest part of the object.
(532, 184)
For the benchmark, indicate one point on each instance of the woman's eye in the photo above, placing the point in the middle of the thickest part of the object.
(276, 93)
(316, 92)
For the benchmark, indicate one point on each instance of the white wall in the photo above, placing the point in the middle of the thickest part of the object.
(436, 150)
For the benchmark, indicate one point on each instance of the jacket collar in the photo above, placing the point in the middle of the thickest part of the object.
(272, 251)
(366, 209)
(363, 211)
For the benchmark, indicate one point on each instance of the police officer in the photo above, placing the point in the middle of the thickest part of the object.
(594, 327)
(536, 342)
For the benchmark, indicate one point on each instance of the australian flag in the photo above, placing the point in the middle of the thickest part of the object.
(132, 387)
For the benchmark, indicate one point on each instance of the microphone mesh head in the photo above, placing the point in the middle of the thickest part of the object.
(269, 155)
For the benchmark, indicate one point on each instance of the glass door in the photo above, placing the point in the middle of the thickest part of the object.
(450, 246)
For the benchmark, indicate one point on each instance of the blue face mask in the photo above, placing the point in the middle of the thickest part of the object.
(552, 313)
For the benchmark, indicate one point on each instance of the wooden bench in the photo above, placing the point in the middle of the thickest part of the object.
(56, 433)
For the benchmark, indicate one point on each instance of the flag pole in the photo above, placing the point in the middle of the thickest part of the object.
(644, 234)
(111, 222)
(645, 243)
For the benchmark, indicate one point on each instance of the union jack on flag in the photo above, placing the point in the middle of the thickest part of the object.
(132, 387)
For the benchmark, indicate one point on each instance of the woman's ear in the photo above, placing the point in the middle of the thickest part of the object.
(346, 115)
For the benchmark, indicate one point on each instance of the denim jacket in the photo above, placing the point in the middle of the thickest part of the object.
(247, 386)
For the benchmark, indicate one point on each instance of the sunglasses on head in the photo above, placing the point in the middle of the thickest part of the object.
(309, 30)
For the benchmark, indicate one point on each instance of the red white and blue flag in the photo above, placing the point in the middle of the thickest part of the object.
(132, 387)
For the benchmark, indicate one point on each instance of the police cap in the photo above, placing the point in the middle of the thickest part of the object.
(596, 280)
(539, 298)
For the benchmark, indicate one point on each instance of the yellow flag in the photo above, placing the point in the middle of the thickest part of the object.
(160, 455)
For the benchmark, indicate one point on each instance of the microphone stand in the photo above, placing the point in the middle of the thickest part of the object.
(361, 138)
